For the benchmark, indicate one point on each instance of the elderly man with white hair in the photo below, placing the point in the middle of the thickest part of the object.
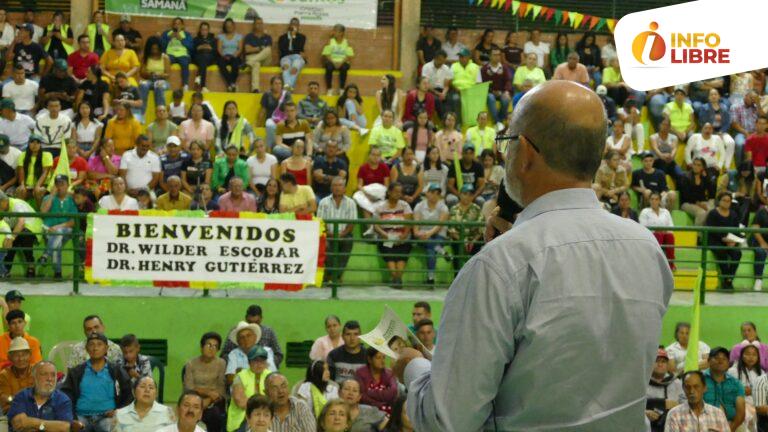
(174, 199)
(42, 407)
(569, 281)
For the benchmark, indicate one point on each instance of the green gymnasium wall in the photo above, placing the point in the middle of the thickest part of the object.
(183, 320)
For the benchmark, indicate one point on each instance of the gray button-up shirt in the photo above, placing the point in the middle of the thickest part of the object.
(552, 326)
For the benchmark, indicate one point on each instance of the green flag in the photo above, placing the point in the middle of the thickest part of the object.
(473, 101)
(62, 168)
(692, 357)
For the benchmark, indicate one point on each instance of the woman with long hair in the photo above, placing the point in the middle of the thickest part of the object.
(235, 129)
(271, 112)
(331, 129)
(196, 170)
(389, 97)
(96, 92)
(377, 383)
(34, 167)
(620, 142)
(420, 135)
(560, 50)
(749, 336)
(408, 173)
(494, 174)
(205, 200)
(350, 106)
(747, 369)
(103, 166)
(318, 388)
(434, 171)
(483, 48)
(697, 191)
(155, 71)
(657, 216)
(449, 140)
(270, 200)
(745, 189)
(86, 131)
(230, 49)
(589, 56)
(725, 250)
(298, 164)
(325, 344)
(204, 55)
(417, 100)
(394, 247)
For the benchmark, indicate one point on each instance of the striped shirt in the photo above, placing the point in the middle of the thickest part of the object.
(300, 419)
(760, 391)
(682, 419)
(327, 209)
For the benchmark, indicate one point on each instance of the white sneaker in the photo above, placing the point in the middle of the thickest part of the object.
(364, 132)
(204, 90)
(197, 80)
(369, 233)
(329, 93)
(499, 127)
(758, 285)
(186, 88)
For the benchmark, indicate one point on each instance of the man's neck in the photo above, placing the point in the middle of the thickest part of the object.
(354, 351)
(697, 408)
(657, 376)
(40, 400)
(717, 376)
(283, 410)
(186, 428)
(494, 65)
(338, 198)
(98, 364)
(650, 170)
(20, 372)
(234, 197)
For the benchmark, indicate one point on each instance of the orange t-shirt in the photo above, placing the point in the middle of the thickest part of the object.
(123, 133)
(34, 347)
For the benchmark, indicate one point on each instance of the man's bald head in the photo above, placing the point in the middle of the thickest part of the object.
(567, 124)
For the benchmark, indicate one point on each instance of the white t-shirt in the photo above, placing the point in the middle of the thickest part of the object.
(175, 428)
(87, 134)
(261, 172)
(23, 95)
(541, 50)
(612, 144)
(139, 170)
(178, 111)
(52, 130)
(712, 150)
(649, 218)
(12, 157)
(18, 130)
(677, 353)
(6, 35)
(435, 75)
(108, 202)
(452, 51)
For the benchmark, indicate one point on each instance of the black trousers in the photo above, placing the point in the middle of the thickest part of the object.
(730, 261)
(202, 61)
(329, 68)
(214, 417)
(25, 239)
(337, 260)
(229, 68)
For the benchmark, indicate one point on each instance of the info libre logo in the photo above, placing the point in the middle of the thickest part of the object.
(649, 47)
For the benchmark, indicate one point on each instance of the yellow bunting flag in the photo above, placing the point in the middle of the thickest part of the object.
(611, 24)
(62, 168)
(515, 6)
(577, 19)
(536, 11)
(692, 357)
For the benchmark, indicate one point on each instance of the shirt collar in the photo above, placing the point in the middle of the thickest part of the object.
(563, 199)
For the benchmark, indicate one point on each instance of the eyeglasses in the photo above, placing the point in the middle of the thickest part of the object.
(211, 345)
(502, 142)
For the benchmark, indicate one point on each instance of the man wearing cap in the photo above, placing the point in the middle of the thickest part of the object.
(21, 90)
(16, 127)
(339, 238)
(57, 228)
(42, 407)
(465, 75)
(61, 85)
(81, 60)
(79, 353)
(12, 301)
(132, 37)
(696, 414)
(53, 126)
(174, 199)
(648, 179)
(16, 329)
(97, 388)
(24, 235)
(28, 54)
(140, 167)
(546, 286)
(172, 161)
(18, 376)
(248, 382)
(724, 390)
(680, 115)
(245, 335)
(9, 160)
(664, 392)
(472, 173)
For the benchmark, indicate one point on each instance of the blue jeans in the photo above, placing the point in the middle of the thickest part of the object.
(431, 248)
(498, 115)
(293, 61)
(183, 62)
(281, 153)
(159, 87)
(656, 108)
(54, 245)
(760, 255)
(271, 128)
(96, 423)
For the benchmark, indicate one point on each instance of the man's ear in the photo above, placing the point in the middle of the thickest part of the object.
(525, 156)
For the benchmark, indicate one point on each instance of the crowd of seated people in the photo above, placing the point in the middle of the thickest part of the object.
(235, 384)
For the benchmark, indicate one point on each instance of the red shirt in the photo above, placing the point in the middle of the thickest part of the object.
(758, 146)
(368, 175)
(76, 166)
(80, 64)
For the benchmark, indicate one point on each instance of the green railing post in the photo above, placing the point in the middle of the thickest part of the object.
(704, 245)
(77, 240)
(462, 248)
(334, 278)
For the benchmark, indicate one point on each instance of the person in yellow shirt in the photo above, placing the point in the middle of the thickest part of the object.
(336, 56)
(482, 136)
(174, 199)
(465, 72)
(296, 198)
(123, 128)
(530, 71)
(680, 115)
(387, 137)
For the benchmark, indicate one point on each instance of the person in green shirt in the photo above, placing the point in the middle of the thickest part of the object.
(529, 71)
(23, 237)
(465, 72)
(237, 10)
(559, 53)
(57, 228)
(388, 138)
(482, 136)
(228, 166)
(680, 115)
(336, 57)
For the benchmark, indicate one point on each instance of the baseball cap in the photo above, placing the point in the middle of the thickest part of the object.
(468, 147)
(681, 89)
(173, 140)
(27, 27)
(719, 350)
(257, 352)
(61, 178)
(601, 90)
(662, 353)
(4, 141)
(97, 336)
(434, 187)
(125, 18)
(14, 295)
(464, 52)
(35, 137)
(467, 187)
(646, 154)
(18, 344)
(60, 64)
(7, 103)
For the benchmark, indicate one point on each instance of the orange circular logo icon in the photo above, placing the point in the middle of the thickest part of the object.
(658, 46)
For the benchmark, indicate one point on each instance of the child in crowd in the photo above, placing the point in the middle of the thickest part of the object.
(145, 199)
(178, 108)
(12, 302)
(136, 365)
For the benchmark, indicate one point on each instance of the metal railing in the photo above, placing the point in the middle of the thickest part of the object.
(358, 261)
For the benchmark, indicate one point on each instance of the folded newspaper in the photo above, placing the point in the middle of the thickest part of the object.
(734, 238)
(391, 335)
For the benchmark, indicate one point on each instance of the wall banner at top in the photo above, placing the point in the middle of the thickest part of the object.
(351, 13)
